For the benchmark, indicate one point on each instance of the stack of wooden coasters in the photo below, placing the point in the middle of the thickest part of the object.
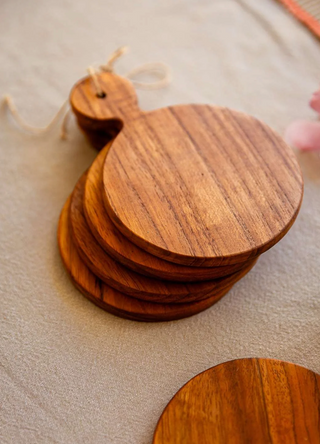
(177, 207)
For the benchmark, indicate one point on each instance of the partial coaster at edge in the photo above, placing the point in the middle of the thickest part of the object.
(260, 401)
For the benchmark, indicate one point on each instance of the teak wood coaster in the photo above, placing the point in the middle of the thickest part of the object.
(201, 185)
(123, 279)
(260, 401)
(177, 207)
(112, 300)
(126, 252)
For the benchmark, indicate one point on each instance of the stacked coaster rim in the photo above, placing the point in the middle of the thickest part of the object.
(123, 279)
(125, 251)
(114, 301)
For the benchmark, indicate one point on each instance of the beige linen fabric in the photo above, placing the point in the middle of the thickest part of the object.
(69, 372)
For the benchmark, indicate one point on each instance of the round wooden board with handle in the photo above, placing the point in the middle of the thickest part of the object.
(201, 185)
(112, 300)
(258, 401)
(128, 281)
(126, 252)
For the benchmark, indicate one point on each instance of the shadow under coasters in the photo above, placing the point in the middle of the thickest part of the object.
(178, 205)
(260, 401)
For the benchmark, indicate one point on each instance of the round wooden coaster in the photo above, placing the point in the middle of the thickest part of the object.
(201, 185)
(260, 401)
(128, 281)
(112, 300)
(126, 252)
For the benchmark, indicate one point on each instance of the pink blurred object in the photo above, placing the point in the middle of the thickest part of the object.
(303, 134)
(315, 101)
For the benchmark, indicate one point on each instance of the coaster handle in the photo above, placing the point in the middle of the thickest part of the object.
(101, 116)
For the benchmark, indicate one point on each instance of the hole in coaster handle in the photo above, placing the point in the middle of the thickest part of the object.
(100, 116)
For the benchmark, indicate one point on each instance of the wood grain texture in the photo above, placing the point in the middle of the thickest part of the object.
(260, 401)
(126, 252)
(128, 281)
(112, 300)
(201, 185)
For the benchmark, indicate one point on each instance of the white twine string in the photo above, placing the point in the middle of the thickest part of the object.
(8, 101)
(92, 73)
(161, 70)
(108, 67)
